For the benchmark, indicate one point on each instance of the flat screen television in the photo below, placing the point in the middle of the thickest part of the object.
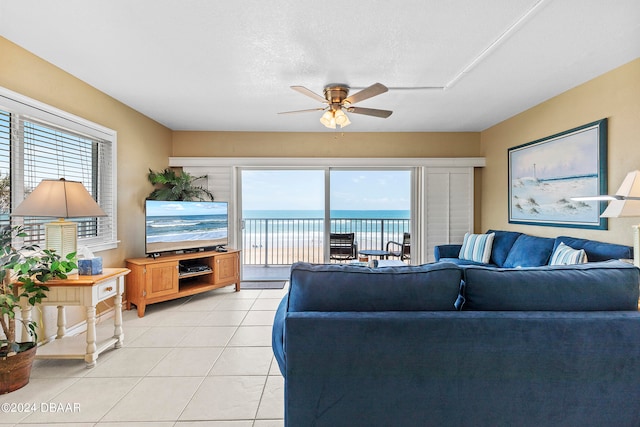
(179, 225)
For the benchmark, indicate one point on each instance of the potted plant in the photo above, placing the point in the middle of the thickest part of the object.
(23, 274)
(173, 186)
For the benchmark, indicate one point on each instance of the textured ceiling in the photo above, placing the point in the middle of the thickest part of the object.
(455, 65)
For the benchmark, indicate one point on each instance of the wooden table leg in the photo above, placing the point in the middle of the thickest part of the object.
(91, 356)
(25, 314)
(118, 333)
(62, 322)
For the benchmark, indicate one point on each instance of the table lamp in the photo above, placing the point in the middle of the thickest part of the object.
(625, 203)
(60, 199)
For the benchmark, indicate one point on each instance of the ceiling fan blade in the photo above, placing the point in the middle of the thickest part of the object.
(302, 111)
(303, 90)
(370, 112)
(371, 91)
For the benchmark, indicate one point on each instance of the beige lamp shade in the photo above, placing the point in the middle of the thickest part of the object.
(627, 201)
(59, 198)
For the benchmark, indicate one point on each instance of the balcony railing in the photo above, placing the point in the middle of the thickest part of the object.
(278, 241)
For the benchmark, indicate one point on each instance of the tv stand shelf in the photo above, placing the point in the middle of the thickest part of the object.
(186, 274)
(159, 279)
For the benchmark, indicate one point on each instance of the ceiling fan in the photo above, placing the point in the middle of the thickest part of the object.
(337, 98)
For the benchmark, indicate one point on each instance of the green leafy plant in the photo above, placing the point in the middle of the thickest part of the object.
(23, 274)
(176, 186)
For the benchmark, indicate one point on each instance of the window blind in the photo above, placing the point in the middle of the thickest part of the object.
(5, 154)
(39, 142)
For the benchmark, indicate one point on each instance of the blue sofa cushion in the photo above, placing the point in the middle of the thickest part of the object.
(336, 287)
(600, 286)
(596, 251)
(502, 243)
(464, 262)
(529, 251)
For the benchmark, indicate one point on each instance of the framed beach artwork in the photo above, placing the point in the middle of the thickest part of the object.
(545, 174)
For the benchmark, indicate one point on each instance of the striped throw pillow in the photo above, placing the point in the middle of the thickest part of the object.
(477, 247)
(566, 255)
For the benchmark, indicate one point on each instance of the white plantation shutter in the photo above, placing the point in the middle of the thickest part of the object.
(448, 211)
(220, 181)
(46, 143)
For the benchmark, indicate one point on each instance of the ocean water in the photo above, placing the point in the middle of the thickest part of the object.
(319, 214)
(303, 225)
(185, 228)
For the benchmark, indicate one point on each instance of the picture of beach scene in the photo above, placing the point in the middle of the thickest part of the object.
(180, 225)
(545, 176)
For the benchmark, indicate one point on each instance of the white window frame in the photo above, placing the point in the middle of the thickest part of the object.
(14, 102)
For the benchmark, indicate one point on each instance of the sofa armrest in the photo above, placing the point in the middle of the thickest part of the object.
(446, 251)
(277, 335)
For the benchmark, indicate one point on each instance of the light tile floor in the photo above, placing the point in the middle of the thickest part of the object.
(204, 360)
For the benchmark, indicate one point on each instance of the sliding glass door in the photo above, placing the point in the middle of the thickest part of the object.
(375, 205)
(289, 215)
(282, 220)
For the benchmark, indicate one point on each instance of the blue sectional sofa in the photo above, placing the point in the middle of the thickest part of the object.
(514, 249)
(541, 346)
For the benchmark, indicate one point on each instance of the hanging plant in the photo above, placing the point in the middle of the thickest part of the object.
(170, 185)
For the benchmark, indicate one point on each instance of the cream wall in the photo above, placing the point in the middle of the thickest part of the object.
(614, 95)
(326, 144)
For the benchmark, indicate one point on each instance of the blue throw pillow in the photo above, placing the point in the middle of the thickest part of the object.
(530, 251)
(566, 255)
(502, 244)
(477, 247)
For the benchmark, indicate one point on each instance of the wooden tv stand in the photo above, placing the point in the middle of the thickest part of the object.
(161, 279)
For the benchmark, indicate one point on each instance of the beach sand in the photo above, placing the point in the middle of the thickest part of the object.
(289, 255)
(189, 244)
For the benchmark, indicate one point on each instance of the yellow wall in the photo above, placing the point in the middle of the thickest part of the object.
(142, 142)
(614, 95)
(325, 144)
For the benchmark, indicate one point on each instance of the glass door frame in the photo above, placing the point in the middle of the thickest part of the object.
(327, 196)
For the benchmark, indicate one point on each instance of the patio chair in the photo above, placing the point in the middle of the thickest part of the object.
(400, 250)
(342, 246)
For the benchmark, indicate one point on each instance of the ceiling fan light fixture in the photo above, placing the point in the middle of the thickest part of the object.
(328, 119)
(338, 100)
(341, 118)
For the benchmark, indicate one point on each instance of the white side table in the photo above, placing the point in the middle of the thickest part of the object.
(86, 291)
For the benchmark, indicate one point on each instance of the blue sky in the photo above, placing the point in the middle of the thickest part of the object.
(574, 154)
(163, 208)
(304, 190)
